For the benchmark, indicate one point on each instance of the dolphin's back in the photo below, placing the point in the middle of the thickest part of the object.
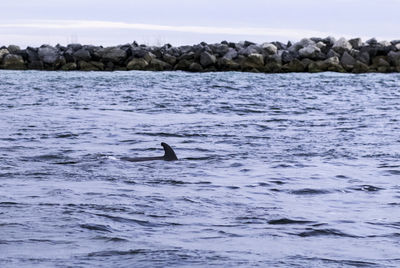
(142, 159)
(169, 155)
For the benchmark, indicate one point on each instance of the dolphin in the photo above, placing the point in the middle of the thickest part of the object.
(169, 155)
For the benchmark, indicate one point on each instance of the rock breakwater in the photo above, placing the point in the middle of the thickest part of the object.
(307, 55)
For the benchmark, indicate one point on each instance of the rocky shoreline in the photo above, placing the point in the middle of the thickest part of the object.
(307, 55)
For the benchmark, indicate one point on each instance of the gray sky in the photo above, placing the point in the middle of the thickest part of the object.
(99, 22)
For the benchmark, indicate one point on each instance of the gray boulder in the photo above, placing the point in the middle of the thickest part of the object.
(61, 48)
(195, 67)
(231, 54)
(169, 59)
(183, 65)
(305, 42)
(321, 45)
(35, 65)
(159, 65)
(13, 49)
(279, 45)
(394, 58)
(354, 53)
(13, 62)
(184, 49)
(188, 56)
(275, 58)
(356, 43)
(384, 47)
(364, 57)
(251, 49)
(127, 48)
(372, 42)
(206, 59)
(347, 60)
(360, 67)
(138, 52)
(34, 62)
(311, 52)
(71, 66)
(74, 47)
(380, 61)
(306, 62)
(148, 56)
(137, 64)
(174, 51)
(329, 41)
(333, 65)
(23, 54)
(3, 52)
(113, 54)
(69, 55)
(198, 49)
(32, 54)
(98, 65)
(341, 46)
(225, 64)
(316, 39)
(270, 49)
(317, 66)
(288, 56)
(48, 55)
(296, 66)
(331, 53)
(332, 61)
(82, 54)
(220, 49)
(247, 43)
(381, 64)
(157, 52)
(91, 66)
(253, 61)
(371, 50)
(273, 67)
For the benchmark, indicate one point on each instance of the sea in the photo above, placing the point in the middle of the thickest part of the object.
(274, 170)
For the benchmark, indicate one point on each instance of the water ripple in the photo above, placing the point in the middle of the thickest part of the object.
(275, 170)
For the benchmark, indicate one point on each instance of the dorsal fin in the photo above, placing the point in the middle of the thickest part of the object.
(169, 153)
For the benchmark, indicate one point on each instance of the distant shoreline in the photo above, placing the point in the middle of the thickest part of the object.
(308, 55)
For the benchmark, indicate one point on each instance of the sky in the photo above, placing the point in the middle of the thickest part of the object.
(180, 22)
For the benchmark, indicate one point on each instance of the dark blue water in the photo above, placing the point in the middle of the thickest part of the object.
(290, 170)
